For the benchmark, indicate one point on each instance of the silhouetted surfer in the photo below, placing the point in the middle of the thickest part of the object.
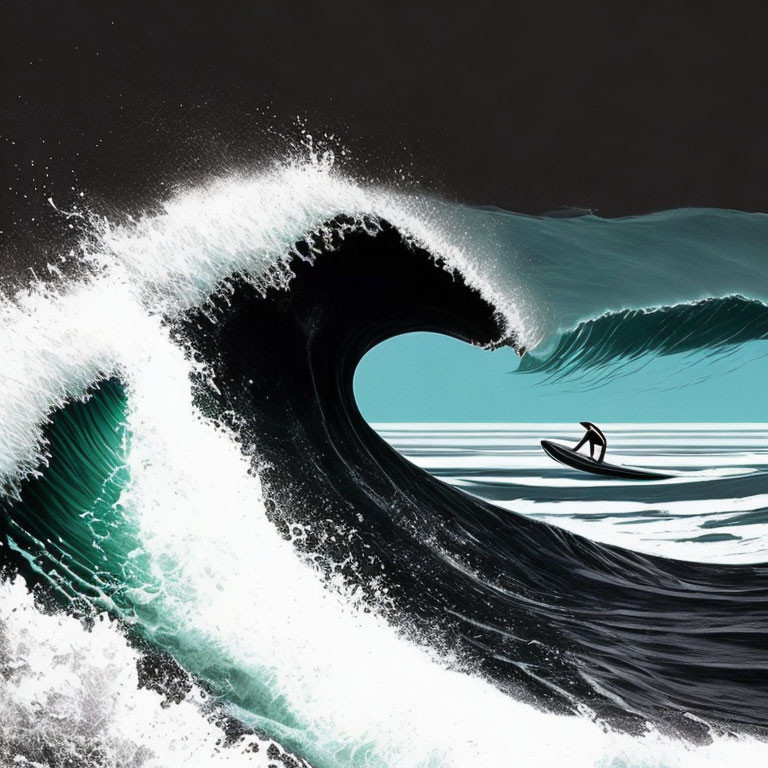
(594, 437)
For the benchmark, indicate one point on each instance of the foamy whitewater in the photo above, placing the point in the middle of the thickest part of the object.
(192, 562)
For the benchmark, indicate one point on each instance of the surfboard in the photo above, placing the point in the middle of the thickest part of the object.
(578, 461)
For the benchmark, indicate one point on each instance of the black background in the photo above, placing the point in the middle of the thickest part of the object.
(528, 106)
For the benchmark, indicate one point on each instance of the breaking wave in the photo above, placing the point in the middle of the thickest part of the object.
(181, 449)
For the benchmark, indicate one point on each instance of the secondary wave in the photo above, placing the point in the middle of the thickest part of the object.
(709, 326)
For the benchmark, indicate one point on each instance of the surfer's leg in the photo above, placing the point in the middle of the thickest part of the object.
(602, 452)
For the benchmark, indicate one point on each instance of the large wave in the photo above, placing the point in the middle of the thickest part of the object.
(182, 448)
(510, 591)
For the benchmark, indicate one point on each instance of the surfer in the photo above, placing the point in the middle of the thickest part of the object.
(595, 438)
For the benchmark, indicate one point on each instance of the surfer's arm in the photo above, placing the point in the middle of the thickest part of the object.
(581, 442)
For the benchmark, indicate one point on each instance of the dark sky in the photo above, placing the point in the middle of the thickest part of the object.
(529, 106)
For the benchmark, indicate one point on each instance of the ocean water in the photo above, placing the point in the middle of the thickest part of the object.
(714, 509)
(209, 557)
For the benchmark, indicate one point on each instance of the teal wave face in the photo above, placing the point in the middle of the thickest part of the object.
(567, 271)
(67, 525)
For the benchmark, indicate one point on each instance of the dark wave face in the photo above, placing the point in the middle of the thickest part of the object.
(545, 614)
